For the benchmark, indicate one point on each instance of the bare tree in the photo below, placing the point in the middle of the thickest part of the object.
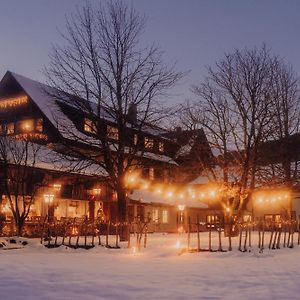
(236, 107)
(102, 62)
(20, 179)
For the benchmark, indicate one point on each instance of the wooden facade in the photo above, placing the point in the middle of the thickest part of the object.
(25, 113)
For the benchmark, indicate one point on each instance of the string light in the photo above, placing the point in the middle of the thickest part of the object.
(32, 135)
(13, 102)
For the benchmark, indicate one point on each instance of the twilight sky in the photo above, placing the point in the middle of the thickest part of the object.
(194, 33)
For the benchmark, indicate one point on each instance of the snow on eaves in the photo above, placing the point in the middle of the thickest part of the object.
(149, 197)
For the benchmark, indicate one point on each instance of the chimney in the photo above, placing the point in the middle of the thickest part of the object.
(132, 113)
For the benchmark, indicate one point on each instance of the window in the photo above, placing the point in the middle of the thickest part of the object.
(161, 147)
(165, 216)
(135, 139)
(10, 128)
(151, 174)
(212, 220)
(25, 126)
(39, 125)
(89, 126)
(155, 215)
(247, 218)
(148, 143)
(112, 132)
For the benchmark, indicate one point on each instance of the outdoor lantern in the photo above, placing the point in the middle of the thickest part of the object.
(48, 198)
(181, 207)
(57, 187)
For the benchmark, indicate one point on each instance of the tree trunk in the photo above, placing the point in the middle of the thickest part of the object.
(19, 226)
(122, 214)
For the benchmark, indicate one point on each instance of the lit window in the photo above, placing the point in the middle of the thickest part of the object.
(165, 216)
(89, 126)
(149, 143)
(161, 147)
(155, 215)
(39, 125)
(112, 132)
(135, 139)
(247, 218)
(10, 128)
(25, 126)
(151, 173)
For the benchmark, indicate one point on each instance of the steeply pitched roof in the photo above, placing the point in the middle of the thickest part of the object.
(51, 107)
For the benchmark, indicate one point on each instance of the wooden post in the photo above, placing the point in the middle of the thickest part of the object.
(129, 235)
(299, 230)
(271, 236)
(117, 237)
(246, 237)
(275, 237)
(145, 236)
(284, 238)
(259, 235)
(262, 237)
(99, 233)
(279, 237)
(198, 234)
(209, 237)
(250, 231)
(220, 238)
(240, 239)
(43, 229)
(189, 233)
(229, 234)
(107, 233)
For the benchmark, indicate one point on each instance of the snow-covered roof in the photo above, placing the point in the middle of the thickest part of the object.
(43, 157)
(200, 180)
(41, 94)
(150, 197)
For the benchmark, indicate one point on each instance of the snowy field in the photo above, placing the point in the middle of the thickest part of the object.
(157, 272)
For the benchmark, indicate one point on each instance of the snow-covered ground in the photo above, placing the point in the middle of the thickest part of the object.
(157, 272)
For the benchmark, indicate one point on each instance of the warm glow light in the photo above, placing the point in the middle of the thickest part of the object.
(96, 191)
(228, 209)
(181, 207)
(181, 196)
(48, 198)
(202, 195)
(31, 135)
(169, 194)
(145, 186)
(271, 196)
(13, 102)
(57, 187)
(212, 194)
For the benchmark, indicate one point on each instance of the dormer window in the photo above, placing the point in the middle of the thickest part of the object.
(89, 126)
(39, 125)
(112, 132)
(161, 147)
(10, 128)
(25, 126)
(151, 174)
(148, 143)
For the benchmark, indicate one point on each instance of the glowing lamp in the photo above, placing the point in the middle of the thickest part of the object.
(181, 207)
(57, 187)
(212, 194)
(96, 191)
(48, 198)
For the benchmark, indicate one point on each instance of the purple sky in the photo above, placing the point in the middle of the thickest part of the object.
(192, 32)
